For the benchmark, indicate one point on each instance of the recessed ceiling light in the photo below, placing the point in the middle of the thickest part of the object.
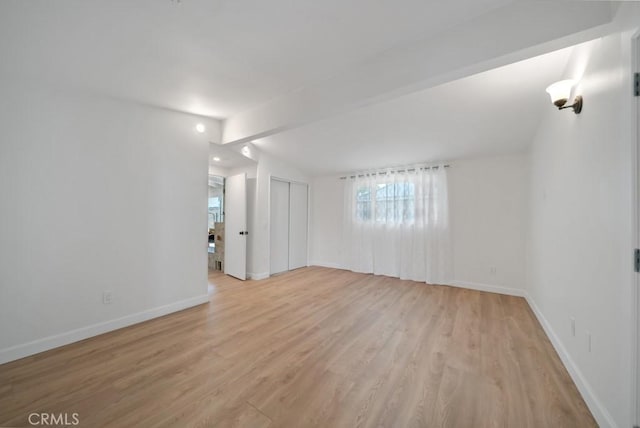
(216, 158)
(200, 128)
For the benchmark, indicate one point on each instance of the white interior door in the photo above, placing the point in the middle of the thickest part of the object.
(279, 227)
(298, 215)
(235, 228)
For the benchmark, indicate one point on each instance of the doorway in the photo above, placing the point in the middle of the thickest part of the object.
(216, 222)
(231, 174)
(288, 225)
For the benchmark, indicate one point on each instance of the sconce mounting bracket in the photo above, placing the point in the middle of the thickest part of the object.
(576, 106)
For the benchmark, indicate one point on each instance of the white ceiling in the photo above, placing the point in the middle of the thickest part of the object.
(228, 157)
(269, 67)
(513, 32)
(210, 57)
(494, 112)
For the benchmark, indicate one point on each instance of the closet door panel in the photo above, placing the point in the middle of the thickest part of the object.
(298, 225)
(279, 229)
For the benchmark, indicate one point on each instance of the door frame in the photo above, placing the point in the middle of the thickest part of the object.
(286, 180)
(635, 293)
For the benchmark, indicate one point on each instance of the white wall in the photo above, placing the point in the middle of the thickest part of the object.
(325, 234)
(488, 209)
(97, 194)
(487, 200)
(581, 229)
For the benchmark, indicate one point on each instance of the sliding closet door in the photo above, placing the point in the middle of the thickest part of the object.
(279, 236)
(298, 197)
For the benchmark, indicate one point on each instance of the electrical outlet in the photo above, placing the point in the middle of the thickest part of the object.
(589, 341)
(107, 297)
(573, 326)
(492, 270)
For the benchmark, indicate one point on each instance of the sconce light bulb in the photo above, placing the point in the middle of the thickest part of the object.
(560, 91)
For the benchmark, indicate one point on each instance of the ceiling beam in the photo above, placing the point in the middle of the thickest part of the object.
(505, 35)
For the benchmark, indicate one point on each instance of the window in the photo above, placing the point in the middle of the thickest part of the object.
(396, 224)
(363, 203)
(215, 211)
(389, 202)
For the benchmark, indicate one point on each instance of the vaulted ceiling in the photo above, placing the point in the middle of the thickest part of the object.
(299, 77)
(490, 113)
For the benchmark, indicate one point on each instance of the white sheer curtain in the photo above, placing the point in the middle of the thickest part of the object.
(397, 224)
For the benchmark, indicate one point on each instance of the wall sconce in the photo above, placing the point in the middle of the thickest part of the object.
(560, 92)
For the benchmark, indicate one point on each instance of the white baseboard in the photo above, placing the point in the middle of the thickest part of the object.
(488, 287)
(325, 264)
(26, 349)
(257, 276)
(461, 284)
(599, 411)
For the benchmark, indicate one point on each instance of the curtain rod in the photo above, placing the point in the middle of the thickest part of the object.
(393, 171)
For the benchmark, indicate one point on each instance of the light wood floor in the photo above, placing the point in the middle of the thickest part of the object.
(313, 347)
